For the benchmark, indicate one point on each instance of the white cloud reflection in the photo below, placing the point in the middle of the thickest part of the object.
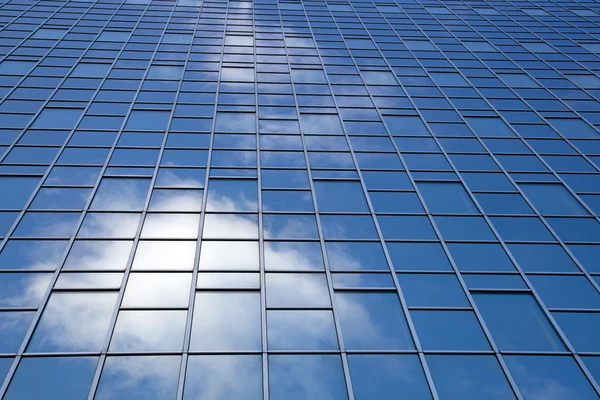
(79, 321)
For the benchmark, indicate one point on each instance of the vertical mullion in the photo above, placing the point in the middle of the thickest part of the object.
(190, 317)
(331, 292)
(545, 310)
(43, 302)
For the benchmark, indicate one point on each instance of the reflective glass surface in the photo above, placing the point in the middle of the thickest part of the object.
(311, 200)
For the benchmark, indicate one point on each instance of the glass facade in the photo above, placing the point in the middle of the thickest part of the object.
(299, 200)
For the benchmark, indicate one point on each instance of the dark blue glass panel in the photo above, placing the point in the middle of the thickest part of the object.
(432, 290)
(340, 197)
(534, 376)
(67, 378)
(372, 321)
(385, 376)
(17, 191)
(581, 329)
(292, 377)
(473, 377)
(580, 293)
(516, 322)
(449, 330)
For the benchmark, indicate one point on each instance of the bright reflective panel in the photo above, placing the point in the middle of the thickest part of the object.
(297, 290)
(98, 254)
(225, 255)
(301, 330)
(157, 290)
(23, 289)
(149, 331)
(209, 377)
(164, 255)
(139, 377)
(226, 321)
(74, 321)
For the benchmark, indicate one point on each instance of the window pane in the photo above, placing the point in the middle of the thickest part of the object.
(301, 330)
(372, 321)
(157, 290)
(135, 377)
(297, 290)
(344, 256)
(535, 374)
(384, 377)
(209, 377)
(67, 378)
(459, 377)
(149, 331)
(432, 290)
(293, 377)
(461, 330)
(74, 322)
(226, 321)
(516, 322)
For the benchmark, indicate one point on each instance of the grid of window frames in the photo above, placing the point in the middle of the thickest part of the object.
(289, 200)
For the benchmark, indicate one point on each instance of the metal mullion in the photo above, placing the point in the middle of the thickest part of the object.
(38, 27)
(191, 305)
(553, 172)
(27, 9)
(568, 141)
(542, 86)
(336, 319)
(464, 286)
(382, 241)
(261, 236)
(54, 90)
(45, 298)
(143, 213)
(513, 260)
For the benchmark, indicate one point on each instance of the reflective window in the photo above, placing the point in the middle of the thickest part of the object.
(384, 376)
(209, 376)
(74, 321)
(372, 321)
(446, 197)
(431, 290)
(534, 374)
(340, 196)
(581, 329)
(165, 290)
(297, 290)
(301, 330)
(468, 377)
(292, 256)
(461, 330)
(139, 377)
(14, 327)
(516, 322)
(581, 293)
(226, 321)
(66, 378)
(292, 377)
(149, 331)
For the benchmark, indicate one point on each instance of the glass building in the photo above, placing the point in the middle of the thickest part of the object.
(299, 200)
